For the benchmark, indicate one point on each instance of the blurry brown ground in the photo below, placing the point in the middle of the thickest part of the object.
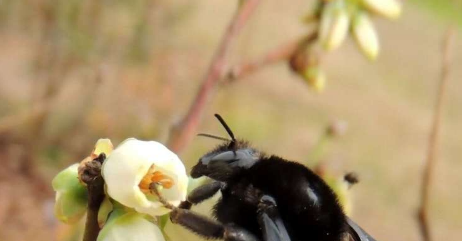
(74, 71)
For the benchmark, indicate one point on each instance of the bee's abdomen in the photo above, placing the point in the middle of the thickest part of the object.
(307, 205)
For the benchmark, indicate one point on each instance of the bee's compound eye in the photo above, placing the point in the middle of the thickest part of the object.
(205, 159)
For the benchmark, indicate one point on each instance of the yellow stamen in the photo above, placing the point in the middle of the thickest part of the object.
(157, 177)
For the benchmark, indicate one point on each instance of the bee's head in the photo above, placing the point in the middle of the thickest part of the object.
(227, 159)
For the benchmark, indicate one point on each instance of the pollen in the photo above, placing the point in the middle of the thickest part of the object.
(155, 176)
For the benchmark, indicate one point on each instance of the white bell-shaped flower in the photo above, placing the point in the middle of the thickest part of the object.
(130, 169)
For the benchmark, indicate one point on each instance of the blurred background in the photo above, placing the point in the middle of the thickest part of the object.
(74, 71)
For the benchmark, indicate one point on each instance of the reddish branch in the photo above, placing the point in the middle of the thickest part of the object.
(186, 129)
(432, 152)
(280, 53)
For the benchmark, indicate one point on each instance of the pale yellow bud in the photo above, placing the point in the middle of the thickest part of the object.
(387, 8)
(334, 25)
(340, 188)
(315, 77)
(102, 146)
(365, 35)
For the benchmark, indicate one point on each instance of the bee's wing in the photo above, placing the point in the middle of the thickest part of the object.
(273, 228)
(271, 224)
(356, 233)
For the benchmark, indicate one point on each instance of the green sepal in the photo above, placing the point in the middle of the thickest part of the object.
(104, 210)
(71, 195)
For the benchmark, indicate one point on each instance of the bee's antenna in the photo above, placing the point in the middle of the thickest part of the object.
(213, 137)
(223, 123)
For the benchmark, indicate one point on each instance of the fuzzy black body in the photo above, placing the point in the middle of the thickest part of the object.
(308, 207)
(264, 198)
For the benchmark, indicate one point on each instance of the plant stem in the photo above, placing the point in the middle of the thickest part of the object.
(95, 187)
(281, 53)
(95, 198)
(183, 133)
(432, 152)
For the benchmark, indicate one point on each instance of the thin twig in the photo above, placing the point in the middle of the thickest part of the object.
(432, 151)
(281, 53)
(186, 129)
(95, 188)
(95, 198)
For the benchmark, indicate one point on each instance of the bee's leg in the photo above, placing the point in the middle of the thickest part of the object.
(202, 225)
(272, 226)
(201, 193)
(209, 228)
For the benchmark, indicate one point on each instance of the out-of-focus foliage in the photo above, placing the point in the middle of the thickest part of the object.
(69, 76)
(449, 10)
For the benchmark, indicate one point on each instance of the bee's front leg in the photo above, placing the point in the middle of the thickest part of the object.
(201, 193)
(202, 225)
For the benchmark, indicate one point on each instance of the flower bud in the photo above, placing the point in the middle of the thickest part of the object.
(71, 195)
(365, 35)
(341, 189)
(315, 77)
(130, 227)
(134, 165)
(387, 8)
(334, 25)
(102, 146)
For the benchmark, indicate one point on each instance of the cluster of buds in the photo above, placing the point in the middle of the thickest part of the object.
(130, 210)
(339, 17)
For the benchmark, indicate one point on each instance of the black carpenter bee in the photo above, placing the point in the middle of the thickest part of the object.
(264, 198)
